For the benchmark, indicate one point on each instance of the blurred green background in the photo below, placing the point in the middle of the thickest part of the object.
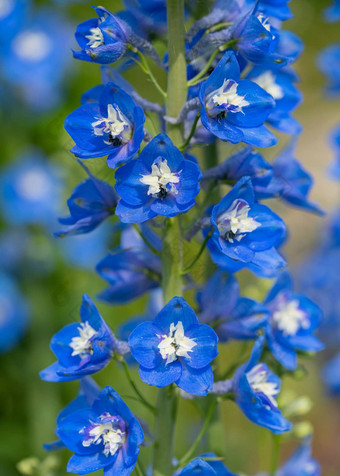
(28, 406)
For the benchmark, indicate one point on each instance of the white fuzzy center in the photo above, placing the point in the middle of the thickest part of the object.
(161, 180)
(6, 7)
(267, 81)
(106, 433)
(175, 344)
(258, 380)
(34, 185)
(33, 46)
(95, 38)
(289, 318)
(235, 222)
(115, 124)
(227, 97)
(82, 344)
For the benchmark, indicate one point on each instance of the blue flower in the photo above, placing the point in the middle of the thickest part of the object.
(84, 251)
(14, 313)
(13, 14)
(279, 84)
(104, 435)
(30, 190)
(154, 305)
(235, 109)
(293, 181)
(147, 17)
(301, 463)
(175, 348)
(159, 182)
(102, 40)
(245, 162)
(235, 317)
(265, 264)
(331, 374)
(332, 13)
(81, 349)
(275, 8)
(242, 227)
(90, 204)
(329, 64)
(200, 467)
(87, 394)
(334, 169)
(293, 321)
(130, 269)
(113, 126)
(34, 61)
(256, 388)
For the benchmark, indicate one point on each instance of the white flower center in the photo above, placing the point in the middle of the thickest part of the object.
(258, 380)
(107, 433)
(95, 38)
(32, 46)
(6, 7)
(175, 344)
(82, 345)
(265, 23)
(34, 185)
(116, 125)
(289, 318)
(235, 223)
(267, 81)
(227, 97)
(161, 180)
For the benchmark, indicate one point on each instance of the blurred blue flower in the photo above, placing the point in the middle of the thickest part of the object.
(104, 435)
(34, 62)
(301, 463)
(113, 126)
(279, 84)
(81, 349)
(334, 168)
(30, 190)
(14, 313)
(329, 65)
(159, 182)
(331, 374)
(175, 348)
(293, 320)
(291, 182)
(200, 467)
(332, 13)
(235, 109)
(13, 14)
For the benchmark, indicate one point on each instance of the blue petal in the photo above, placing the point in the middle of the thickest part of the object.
(143, 342)
(162, 375)
(196, 381)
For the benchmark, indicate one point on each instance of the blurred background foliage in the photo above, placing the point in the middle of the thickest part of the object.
(53, 278)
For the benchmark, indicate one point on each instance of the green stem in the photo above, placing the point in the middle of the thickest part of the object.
(146, 241)
(275, 456)
(139, 469)
(192, 132)
(172, 235)
(191, 451)
(198, 78)
(219, 26)
(147, 70)
(199, 254)
(164, 432)
(133, 385)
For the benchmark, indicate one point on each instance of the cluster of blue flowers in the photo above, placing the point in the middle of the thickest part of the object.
(241, 89)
